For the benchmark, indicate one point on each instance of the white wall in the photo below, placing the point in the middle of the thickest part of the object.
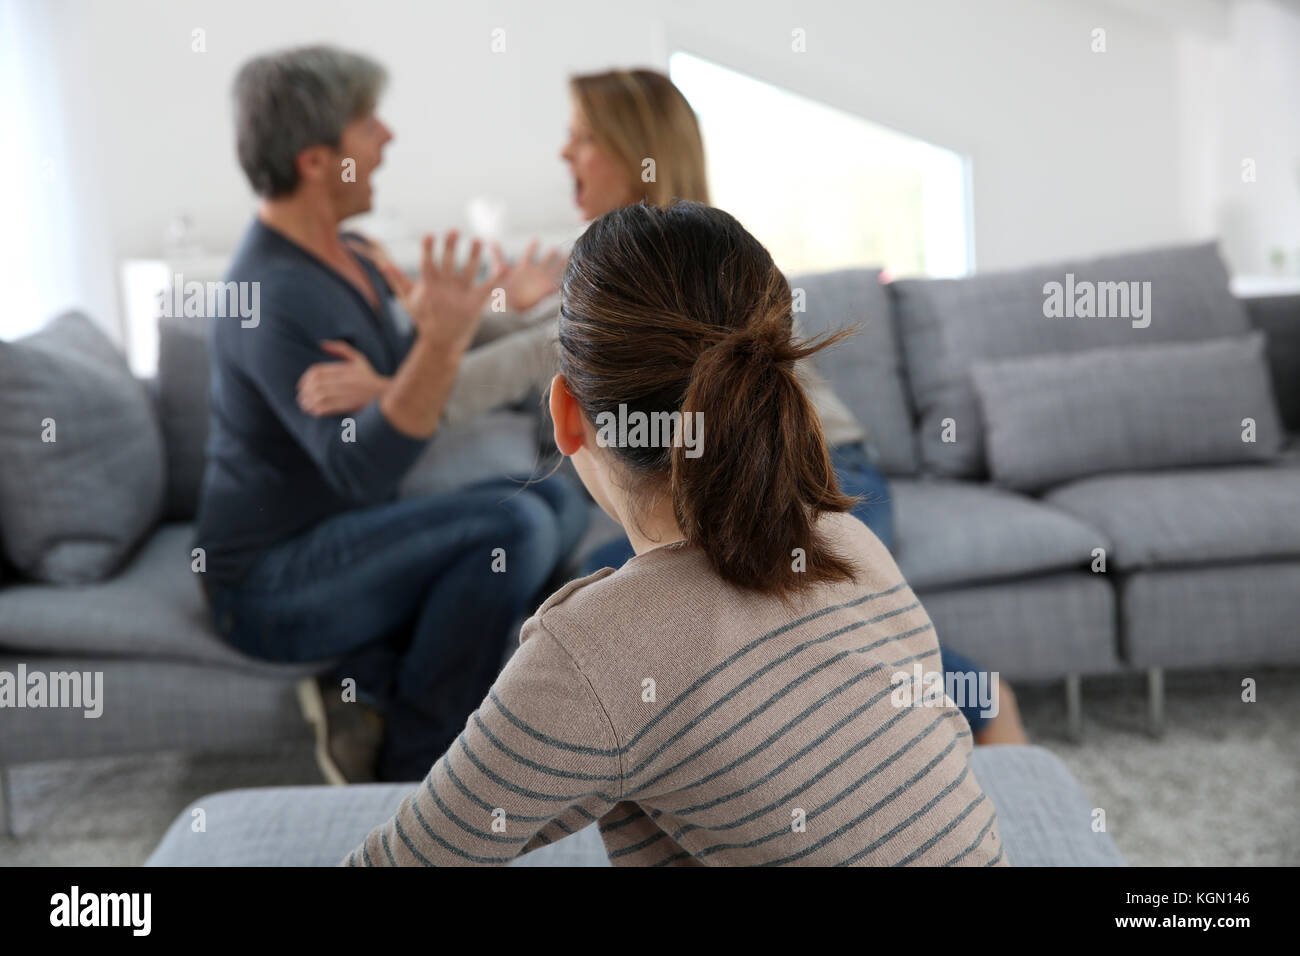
(1259, 119)
(1073, 152)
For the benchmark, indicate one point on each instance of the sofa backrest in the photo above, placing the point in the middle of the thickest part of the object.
(865, 370)
(911, 358)
(182, 389)
(1278, 317)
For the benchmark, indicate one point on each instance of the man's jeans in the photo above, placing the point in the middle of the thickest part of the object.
(414, 597)
(860, 478)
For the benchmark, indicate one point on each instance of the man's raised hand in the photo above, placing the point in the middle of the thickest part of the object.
(445, 302)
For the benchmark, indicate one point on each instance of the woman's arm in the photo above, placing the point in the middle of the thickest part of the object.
(537, 761)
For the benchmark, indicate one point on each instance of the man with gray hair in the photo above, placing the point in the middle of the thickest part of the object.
(309, 555)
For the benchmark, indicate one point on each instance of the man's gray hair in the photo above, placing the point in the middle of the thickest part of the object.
(288, 101)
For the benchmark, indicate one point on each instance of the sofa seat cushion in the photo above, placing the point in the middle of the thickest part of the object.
(152, 706)
(316, 826)
(1043, 817)
(951, 533)
(152, 608)
(1032, 629)
(1191, 517)
(1224, 616)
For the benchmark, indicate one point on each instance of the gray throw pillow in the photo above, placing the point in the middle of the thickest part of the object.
(74, 507)
(1054, 418)
(183, 378)
(948, 324)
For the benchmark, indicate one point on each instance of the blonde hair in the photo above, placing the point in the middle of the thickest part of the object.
(637, 115)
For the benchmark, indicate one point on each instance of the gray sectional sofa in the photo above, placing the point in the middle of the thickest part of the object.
(1202, 559)
(1200, 533)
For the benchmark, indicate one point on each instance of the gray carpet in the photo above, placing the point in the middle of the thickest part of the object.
(1220, 788)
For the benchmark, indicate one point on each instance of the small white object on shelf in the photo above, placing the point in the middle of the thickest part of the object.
(1250, 287)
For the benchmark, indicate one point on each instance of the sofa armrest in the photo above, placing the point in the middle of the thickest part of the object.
(1279, 317)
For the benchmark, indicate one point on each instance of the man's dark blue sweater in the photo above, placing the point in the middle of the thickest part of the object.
(274, 471)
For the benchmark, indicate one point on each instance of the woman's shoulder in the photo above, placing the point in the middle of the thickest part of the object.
(854, 540)
(674, 587)
(642, 582)
(616, 608)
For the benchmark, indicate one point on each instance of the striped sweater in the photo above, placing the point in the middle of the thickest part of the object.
(696, 724)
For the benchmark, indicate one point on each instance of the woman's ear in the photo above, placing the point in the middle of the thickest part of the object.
(567, 417)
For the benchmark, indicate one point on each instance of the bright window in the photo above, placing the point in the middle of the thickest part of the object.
(822, 188)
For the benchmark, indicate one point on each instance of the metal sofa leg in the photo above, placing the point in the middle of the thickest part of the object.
(6, 805)
(1074, 708)
(1156, 701)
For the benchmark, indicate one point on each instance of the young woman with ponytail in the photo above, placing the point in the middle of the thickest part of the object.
(741, 691)
(619, 118)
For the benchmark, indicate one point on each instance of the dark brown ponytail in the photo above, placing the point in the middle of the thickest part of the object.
(679, 309)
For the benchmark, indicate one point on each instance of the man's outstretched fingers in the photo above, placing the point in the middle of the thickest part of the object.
(449, 252)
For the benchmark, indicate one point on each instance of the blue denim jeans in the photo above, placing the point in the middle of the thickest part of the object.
(860, 478)
(411, 600)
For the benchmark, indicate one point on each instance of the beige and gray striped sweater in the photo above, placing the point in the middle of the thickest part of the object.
(698, 724)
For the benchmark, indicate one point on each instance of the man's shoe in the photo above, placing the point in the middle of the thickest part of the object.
(348, 734)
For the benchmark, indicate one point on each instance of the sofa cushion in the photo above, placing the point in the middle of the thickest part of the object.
(866, 369)
(954, 532)
(153, 705)
(82, 479)
(1043, 817)
(152, 608)
(316, 826)
(1201, 516)
(1038, 628)
(1222, 616)
(948, 324)
(1053, 418)
(183, 410)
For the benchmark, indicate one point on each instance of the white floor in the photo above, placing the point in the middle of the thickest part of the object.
(1220, 788)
